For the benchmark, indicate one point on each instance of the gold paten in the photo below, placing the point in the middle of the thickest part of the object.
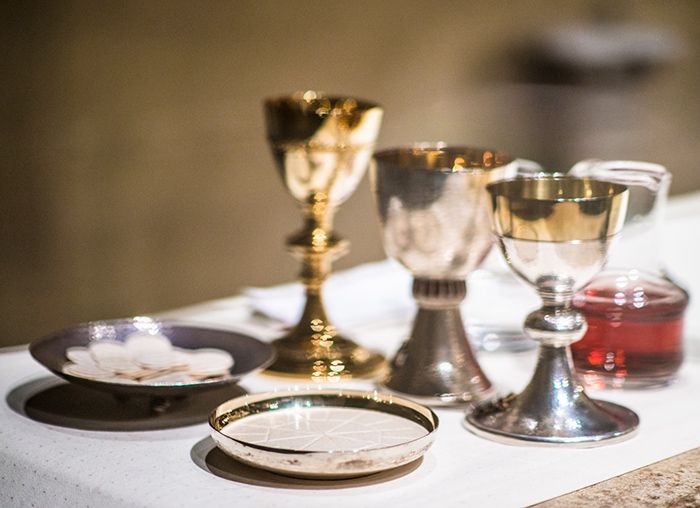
(322, 146)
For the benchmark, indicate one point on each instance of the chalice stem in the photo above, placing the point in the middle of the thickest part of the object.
(316, 249)
(315, 269)
(314, 347)
(555, 371)
(555, 326)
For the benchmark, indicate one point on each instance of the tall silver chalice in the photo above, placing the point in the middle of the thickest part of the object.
(554, 233)
(434, 211)
(322, 146)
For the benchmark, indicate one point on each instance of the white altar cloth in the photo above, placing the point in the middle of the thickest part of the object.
(54, 463)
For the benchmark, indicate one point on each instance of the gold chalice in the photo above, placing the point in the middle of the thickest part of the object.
(322, 146)
(554, 233)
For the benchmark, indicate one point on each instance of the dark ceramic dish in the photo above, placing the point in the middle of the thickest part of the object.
(249, 354)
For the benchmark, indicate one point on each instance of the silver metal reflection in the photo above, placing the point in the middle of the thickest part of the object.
(434, 210)
(297, 439)
(555, 232)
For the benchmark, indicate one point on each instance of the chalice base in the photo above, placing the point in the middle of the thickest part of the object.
(444, 399)
(436, 365)
(588, 423)
(344, 359)
(553, 410)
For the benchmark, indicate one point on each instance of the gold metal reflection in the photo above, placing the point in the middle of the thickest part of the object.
(322, 146)
(544, 209)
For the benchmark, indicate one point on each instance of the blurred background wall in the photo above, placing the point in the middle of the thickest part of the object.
(136, 176)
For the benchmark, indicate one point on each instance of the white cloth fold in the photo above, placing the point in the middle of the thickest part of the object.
(115, 469)
(378, 292)
(370, 292)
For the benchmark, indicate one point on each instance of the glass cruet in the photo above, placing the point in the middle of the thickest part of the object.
(633, 308)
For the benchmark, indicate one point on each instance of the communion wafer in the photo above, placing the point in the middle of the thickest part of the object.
(107, 350)
(119, 364)
(159, 360)
(131, 370)
(86, 371)
(141, 343)
(181, 358)
(168, 378)
(148, 359)
(201, 378)
(120, 380)
(210, 362)
(79, 354)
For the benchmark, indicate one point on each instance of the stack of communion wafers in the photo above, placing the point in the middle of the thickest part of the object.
(148, 359)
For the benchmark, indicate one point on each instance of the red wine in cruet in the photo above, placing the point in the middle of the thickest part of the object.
(635, 331)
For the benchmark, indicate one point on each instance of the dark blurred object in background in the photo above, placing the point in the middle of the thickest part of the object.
(136, 175)
(584, 84)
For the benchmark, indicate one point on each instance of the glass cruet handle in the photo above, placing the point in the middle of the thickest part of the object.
(527, 168)
(654, 177)
(648, 184)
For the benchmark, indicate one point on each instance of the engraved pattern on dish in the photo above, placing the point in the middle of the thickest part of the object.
(325, 429)
(323, 433)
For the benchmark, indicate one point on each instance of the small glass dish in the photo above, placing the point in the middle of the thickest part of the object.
(249, 354)
(322, 433)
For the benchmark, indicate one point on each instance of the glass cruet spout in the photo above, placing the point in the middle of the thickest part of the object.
(633, 308)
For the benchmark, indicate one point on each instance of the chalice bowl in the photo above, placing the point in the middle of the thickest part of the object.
(434, 211)
(554, 232)
(322, 146)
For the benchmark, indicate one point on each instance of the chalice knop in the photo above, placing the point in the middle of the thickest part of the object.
(434, 211)
(322, 146)
(554, 233)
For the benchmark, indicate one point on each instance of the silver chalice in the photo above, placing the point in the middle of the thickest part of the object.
(434, 210)
(554, 233)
